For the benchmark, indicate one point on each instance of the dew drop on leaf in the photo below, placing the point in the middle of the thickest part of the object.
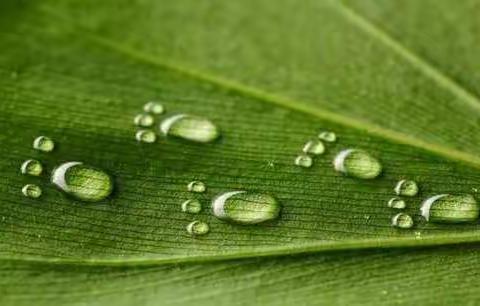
(406, 188)
(154, 108)
(196, 186)
(304, 160)
(328, 136)
(144, 120)
(32, 191)
(196, 228)
(446, 208)
(314, 147)
(43, 143)
(32, 167)
(190, 127)
(397, 203)
(192, 206)
(358, 164)
(146, 136)
(402, 220)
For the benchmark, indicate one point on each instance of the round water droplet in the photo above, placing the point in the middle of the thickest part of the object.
(82, 182)
(190, 127)
(328, 136)
(43, 143)
(144, 120)
(192, 206)
(32, 167)
(196, 228)
(406, 188)
(314, 147)
(303, 160)
(246, 207)
(446, 208)
(358, 164)
(32, 191)
(154, 108)
(397, 203)
(146, 136)
(402, 220)
(196, 186)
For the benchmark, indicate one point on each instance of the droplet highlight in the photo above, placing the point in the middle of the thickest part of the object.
(406, 188)
(190, 127)
(446, 208)
(327, 136)
(397, 203)
(304, 160)
(192, 206)
(197, 228)
(402, 220)
(32, 167)
(358, 164)
(154, 108)
(44, 144)
(32, 191)
(196, 186)
(146, 136)
(315, 147)
(145, 120)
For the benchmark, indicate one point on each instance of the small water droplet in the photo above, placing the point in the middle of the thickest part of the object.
(32, 191)
(196, 186)
(196, 228)
(406, 188)
(43, 143)
(146, 136)
(358, 164)
(328, 136)
(446, 208)
(192, 206)
(246, 207)
(397, 203)
(154, 108)
(32, 167)
(144, 120)
(314, 147)
(304, 160)
(190, 127)
(82, 182)
(402, 220)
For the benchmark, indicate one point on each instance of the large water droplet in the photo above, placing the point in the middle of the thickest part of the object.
(82, 182)
(192, 206)
(304, 160)
(146, 136)
(154, 108)
(446, 208)
(144, 120)
(246, 207)
(402, 220)
(190, 127)
(196, 228)
(32, 167)
(406, 188)
(43, 143)
(314, 147)
(397, 203)
(357, 163)
(327, 136)
(32, 191)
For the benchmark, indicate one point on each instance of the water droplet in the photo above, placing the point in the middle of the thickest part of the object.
(246, 207)
(43, 143)
(397, 203)
(32, 191)
(402, 220)
(190, 127)
(303, 160)
(446, 208)
(146, 136)
(192, 206)
(197, 228)
(144, 120)
(314, 147)
(328, 136)
(406, 188)
(32, 167)
(154, 108)
(82, 182)
(357, 163)
(196, 186)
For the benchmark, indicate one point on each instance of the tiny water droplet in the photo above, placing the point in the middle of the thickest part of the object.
(154, 108)
(402, 220)
(32, 167)
(82, 182)
(32, 191)
(196, 186)
(446, 208)
(315, 147)
(196, 228)
(190, 127)
(328, 136)
(304, 160)
(192, 206)
(358, 164)
(397, 203)
(43, 143)
(406, 188)
(146, 136)
(144, 120)
(246, 207)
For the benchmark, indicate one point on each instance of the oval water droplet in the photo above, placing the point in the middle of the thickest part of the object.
(192, 206)
(190, 127)
(146, 136)
(402, 220)
(315, 147)
(406, 188)
(32, 191)
(145, 120)
(446, 208)
(43, 143)
(397, 203)
(196, 186)
(246, 207)
(154, 108)
(32, 167)
(304, 160)
(328, 136)
(197, 228)
(82, 182)
(358, 164)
